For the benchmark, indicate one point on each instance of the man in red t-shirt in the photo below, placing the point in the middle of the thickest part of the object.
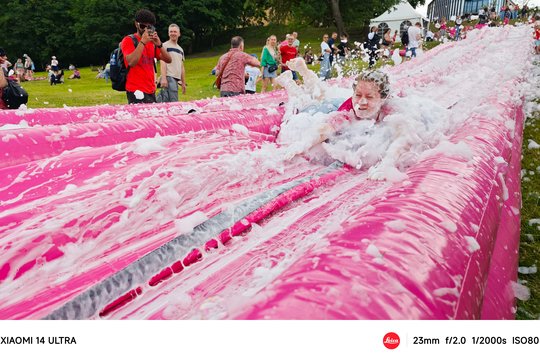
(140, 84)
(288, 52)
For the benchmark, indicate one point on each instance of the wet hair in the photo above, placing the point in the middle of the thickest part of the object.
(236, 41)
(145, 16)
(375, 76)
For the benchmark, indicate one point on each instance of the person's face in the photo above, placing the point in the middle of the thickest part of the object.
(334, 36)
(290, 40)
(325, 38)
(367, 101)
(273, 41)
(174, 33)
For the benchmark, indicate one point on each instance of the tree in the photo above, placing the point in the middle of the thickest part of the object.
(338, 19)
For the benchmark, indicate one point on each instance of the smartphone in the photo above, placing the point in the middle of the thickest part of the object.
(151, 30)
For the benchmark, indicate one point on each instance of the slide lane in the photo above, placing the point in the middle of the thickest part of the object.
(122, 207)
(432, 264)
(108, 113)
(23, 145)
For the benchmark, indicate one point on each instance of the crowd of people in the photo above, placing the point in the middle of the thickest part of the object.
(238, 72)
(21, 70)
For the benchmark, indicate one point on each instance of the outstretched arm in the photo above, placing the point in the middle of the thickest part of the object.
(3, 80)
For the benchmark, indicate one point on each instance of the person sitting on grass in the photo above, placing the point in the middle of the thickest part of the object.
(76, 74)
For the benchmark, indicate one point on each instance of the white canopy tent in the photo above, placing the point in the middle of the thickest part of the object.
(397, 17)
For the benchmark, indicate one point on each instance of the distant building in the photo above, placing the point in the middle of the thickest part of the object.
(448, 8)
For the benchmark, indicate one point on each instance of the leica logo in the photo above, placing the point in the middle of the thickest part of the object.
(391, 340)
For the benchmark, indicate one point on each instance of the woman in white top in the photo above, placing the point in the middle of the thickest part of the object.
(325, 63)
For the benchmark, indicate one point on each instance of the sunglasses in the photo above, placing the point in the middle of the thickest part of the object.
(144, 26)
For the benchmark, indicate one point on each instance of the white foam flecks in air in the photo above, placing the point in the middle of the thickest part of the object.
(521, 292)
(139, 95)
(527, 270)
(533, 144)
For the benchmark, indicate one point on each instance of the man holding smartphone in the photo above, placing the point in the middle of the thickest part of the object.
(139, 51)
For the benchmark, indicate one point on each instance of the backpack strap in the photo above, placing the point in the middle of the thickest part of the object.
(136, 42)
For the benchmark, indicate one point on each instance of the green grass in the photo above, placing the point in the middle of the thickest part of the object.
(530, 234)
(91, 91)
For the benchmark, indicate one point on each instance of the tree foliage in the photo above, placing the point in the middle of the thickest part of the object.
(84, 32)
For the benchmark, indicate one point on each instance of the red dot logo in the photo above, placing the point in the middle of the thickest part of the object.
(391, 340)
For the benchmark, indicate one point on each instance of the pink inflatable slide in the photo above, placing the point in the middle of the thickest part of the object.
(189, 211)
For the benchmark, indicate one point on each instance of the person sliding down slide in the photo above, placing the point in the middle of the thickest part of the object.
(371, 90)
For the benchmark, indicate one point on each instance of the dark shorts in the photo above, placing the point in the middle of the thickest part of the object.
(54, 68)
(250, 92)
(148, 98)
(229, 93)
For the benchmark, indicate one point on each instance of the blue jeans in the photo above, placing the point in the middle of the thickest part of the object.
(413, 52)
(170, 93)
(324, 73)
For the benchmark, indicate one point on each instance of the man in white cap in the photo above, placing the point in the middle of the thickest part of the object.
(54, 64)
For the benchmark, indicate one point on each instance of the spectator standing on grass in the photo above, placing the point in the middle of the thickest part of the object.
(3, 77)
(288, 52)
(324, 73)
(107, 72)
(139, 56)
(387, 42)
(415, 35)
(296, 42)
(333, 46)
(458, 28)
(172, 74)
(231, 68)
(443, 27)
(343, 49)
(507, 16)
(29, 67)
(252, 77)
(269, 61)
(54, 64)
(373, 45)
